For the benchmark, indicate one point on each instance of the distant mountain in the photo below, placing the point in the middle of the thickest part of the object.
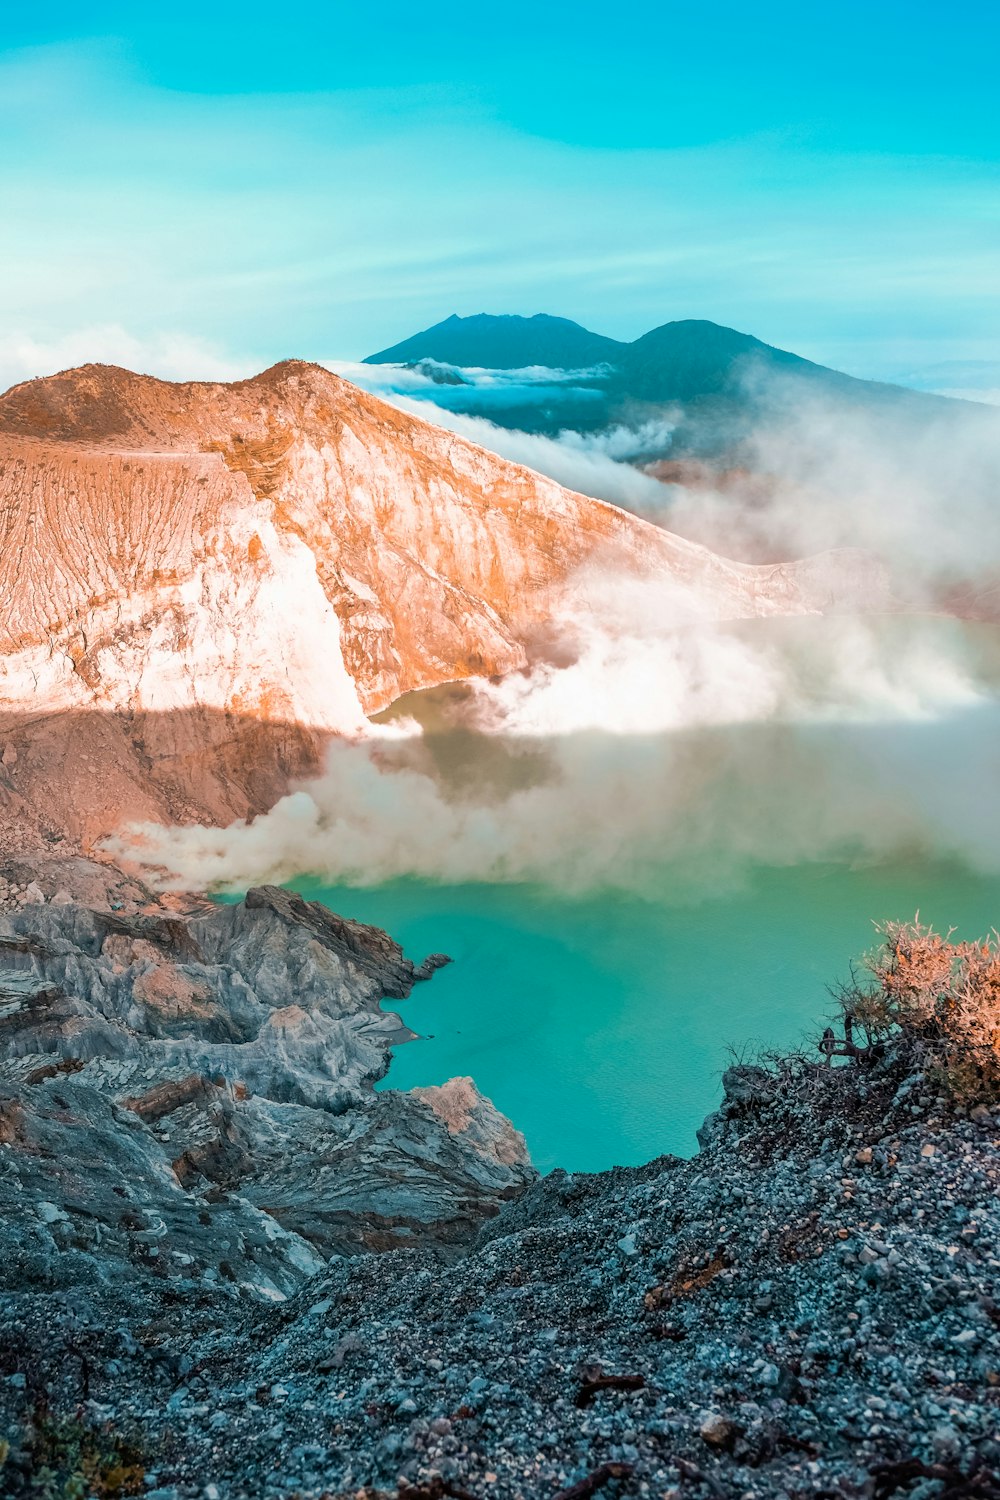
(504, 343)
(716, 381)
(686, 360)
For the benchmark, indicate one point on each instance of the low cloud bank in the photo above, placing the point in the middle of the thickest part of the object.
(443, 384)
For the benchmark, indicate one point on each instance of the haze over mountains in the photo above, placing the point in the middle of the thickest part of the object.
(718, 379)
(751, 450)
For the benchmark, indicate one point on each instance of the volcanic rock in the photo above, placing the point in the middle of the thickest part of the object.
(202, 1087)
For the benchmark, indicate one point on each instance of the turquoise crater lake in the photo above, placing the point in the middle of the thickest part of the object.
(625, 910)
(601, 1024)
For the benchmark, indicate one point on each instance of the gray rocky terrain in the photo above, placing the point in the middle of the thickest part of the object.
(189, 1099)
(194, 1174)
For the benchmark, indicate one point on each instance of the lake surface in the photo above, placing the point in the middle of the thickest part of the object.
(601, 1024)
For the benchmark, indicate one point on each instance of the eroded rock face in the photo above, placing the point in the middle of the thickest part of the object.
(202, 583)
(189, 1100)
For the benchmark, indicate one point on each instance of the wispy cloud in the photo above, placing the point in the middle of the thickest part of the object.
(168, 355)
(333, 224)
(964, 379)
(449, 386)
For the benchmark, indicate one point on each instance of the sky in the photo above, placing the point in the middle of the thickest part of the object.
(201, 190)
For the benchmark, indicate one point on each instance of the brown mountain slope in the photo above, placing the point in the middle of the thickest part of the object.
(225, 575)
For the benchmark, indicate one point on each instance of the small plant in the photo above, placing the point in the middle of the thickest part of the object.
(74, 1461)
(939, 999)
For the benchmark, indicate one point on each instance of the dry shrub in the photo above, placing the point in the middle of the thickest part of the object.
(942, 1000)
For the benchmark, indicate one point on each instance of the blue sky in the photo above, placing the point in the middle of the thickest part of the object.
(205, 189)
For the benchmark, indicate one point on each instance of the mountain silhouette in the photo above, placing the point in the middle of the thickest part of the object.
(504, 343)
(716, 381)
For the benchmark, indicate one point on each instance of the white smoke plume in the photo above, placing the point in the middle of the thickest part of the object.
(921, 490)
(660, 740)
(695, 748)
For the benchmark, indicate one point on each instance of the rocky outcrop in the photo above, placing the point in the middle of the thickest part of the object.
(188, 1101)
(203, 583)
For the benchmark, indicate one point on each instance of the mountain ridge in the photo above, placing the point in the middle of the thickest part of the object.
(539, 340)
(716, 382)
(206, 582)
